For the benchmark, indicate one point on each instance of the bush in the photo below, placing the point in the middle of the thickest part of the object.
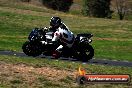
(25, 0)
(97, 8)
(60, 5)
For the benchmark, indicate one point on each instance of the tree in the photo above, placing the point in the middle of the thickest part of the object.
(97, 8)
(60, 5)
(121, 7)
(85, 9)
(25, 0)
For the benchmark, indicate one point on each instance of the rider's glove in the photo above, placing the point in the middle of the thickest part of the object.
(46, 28)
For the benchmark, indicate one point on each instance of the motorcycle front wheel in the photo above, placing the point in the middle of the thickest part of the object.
(32, 48)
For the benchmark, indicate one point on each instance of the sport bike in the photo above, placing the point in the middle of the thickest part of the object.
(81, 49)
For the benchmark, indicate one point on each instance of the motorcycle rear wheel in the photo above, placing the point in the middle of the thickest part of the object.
(87, 53)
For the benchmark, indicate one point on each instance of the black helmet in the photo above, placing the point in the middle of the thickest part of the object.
(55, 21)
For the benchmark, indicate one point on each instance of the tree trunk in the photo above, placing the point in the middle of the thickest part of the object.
(121, 16)
(25, 0)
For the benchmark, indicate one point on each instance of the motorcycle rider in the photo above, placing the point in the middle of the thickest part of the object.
(62, 33)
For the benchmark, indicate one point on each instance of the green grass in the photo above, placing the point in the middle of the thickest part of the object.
(112, 38)
(116, 49)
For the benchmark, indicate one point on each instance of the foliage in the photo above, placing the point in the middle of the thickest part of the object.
(25, 0)
(60, 5)
(97, 8)
(122, 8)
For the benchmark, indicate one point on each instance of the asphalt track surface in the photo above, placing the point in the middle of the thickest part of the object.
(92, 61)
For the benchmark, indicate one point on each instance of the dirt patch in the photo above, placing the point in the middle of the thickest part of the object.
(25, 76)
(30, 73)
(24, 12)
(5, 36)
(34, 10)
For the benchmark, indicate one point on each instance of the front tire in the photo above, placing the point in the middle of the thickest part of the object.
(32, 49)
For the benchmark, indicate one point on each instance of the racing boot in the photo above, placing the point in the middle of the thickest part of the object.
(56, 54)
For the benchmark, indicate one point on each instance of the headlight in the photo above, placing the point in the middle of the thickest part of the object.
(89, 40)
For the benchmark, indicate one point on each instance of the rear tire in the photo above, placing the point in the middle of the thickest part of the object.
(32, 48)
(87, 53)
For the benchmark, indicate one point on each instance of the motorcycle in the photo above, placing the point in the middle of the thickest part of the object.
(81, 49)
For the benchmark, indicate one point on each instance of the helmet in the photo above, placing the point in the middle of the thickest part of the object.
(55, 21)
